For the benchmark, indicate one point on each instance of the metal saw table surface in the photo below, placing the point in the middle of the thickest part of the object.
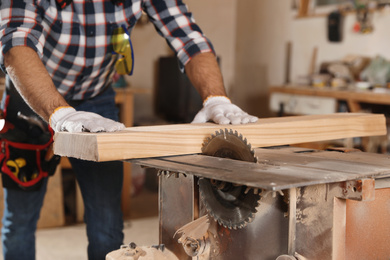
(279, 168)
(327, 203)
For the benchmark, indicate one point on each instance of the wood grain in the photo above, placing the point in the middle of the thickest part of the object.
(166, 140)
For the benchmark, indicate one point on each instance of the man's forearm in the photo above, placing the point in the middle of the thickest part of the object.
(32, 80)
(204, 73)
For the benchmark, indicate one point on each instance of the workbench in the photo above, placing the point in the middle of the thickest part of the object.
(309, 100)
(353, 97)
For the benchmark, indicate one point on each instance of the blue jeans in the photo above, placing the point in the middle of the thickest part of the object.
(101, 188)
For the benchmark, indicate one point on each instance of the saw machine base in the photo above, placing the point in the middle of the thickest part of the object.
(313, 204)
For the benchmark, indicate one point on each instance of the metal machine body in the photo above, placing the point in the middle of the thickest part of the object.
(313, 204)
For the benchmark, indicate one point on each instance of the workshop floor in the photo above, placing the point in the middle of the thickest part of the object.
(66, 243)
(70, 242)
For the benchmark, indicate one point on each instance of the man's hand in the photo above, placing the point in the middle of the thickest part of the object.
(220, 110)
(70, 120)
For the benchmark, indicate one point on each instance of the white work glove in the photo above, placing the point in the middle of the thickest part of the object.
(221, 110)
(70, 120)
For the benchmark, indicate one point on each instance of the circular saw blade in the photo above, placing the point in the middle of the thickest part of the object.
(229, 204)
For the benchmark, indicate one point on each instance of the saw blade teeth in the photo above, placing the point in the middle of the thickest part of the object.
(249, 220)
(212, 147)
(205, 142)
(254, 210)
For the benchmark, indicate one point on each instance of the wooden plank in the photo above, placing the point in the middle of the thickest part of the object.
(153, 141)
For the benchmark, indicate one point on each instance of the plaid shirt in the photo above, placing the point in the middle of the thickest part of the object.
(74, 43)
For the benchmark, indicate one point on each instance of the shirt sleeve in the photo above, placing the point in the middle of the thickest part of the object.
(176, 24)
(20, 26)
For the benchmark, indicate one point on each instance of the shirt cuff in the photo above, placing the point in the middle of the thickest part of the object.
(10, 41)
(191, 49)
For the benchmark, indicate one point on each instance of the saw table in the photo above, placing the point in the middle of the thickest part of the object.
(312, 204)
(230, 201)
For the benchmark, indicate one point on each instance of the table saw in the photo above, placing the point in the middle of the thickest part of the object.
(286, 202)
(233, 201)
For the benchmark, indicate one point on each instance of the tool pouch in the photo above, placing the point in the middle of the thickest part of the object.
(26, 142)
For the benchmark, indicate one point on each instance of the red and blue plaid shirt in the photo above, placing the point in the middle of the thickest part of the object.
(74, 43)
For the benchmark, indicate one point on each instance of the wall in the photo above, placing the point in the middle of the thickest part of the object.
(217, 18)
(262, 32)
(311, 32)
(263, 36)
(250, 37)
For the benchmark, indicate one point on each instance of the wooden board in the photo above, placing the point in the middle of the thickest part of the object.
(153, 141)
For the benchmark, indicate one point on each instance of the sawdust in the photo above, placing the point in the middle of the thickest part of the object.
(313, 204)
